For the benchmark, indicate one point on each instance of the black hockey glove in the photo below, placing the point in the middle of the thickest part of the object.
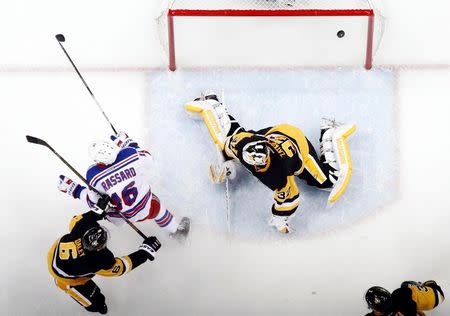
(103, 202)
(150, 246)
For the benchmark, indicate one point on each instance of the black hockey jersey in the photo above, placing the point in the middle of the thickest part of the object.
(70, 263)
(288, 149)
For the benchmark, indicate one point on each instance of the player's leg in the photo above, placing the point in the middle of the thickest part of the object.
(165, 219)
(316, 172)
(215, 114)
(286, 202)
(87, 295)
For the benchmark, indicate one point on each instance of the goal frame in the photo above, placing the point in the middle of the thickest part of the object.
(173, 13)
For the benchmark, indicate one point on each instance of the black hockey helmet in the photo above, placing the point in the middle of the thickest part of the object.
(256, 153)
(95, 238)
(378, 299)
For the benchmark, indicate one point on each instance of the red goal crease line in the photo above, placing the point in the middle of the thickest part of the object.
(269, 13)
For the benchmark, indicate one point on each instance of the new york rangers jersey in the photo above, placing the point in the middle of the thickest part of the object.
(126, 181)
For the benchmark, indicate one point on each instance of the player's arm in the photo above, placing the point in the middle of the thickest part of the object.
(81, 223)
(122, 140)
(77, 191)
(235, 143)
(123, 265)
(286, 198)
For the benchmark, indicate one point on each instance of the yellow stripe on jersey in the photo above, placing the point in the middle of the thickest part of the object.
(62, 282)
(287, 198)
(74, 221)
(121, 266)
(424, 296)
(232, 141)
(294, 134)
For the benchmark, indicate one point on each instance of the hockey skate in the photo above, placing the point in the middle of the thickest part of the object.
(281, 223)
(182, 230)
(334, 152)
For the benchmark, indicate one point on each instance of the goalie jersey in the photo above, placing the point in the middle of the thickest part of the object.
(288, 150)
(69, 263)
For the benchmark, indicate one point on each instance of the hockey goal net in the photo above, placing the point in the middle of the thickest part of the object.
(269, 32)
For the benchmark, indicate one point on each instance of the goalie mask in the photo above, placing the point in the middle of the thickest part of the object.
(378, 299)
(256, 153)
(95, 238)
(103, 152)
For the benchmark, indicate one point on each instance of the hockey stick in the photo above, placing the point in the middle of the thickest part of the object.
(38, 141)
(61, 39)
(227, 188)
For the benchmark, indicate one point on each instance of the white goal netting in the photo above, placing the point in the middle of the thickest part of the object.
(227, 10)
(268, 4)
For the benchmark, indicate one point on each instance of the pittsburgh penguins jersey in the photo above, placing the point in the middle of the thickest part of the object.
(288, 148)
(412, 297)
(69, 262)
(126, 181)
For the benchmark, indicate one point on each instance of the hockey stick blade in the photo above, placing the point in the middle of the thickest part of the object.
(60, 38)
(35, 140)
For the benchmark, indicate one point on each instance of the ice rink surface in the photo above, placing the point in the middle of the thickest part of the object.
(262, 98)
(400, 153)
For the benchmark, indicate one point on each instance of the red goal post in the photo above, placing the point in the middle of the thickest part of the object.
(325, 10)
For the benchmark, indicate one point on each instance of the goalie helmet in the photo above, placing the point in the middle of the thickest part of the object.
(256, 153)
(378, 299)
(103, 152)
(95, 238)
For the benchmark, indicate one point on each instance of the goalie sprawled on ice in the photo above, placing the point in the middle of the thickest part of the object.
(276, 155)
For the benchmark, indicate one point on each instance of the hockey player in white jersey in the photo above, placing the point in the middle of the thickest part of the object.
(122, 171)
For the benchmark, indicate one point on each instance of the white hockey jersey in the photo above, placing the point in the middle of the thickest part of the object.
(126, 181)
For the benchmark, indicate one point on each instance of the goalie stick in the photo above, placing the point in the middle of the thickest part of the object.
(61, 39)
(227, 188)
(38, 141)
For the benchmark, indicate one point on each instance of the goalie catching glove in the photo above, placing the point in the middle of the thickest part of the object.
(150, 246)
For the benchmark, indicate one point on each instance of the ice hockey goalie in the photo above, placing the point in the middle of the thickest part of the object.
(276, 155)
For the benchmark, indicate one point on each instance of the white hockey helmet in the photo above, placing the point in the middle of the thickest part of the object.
(103, 152)
(256, 153)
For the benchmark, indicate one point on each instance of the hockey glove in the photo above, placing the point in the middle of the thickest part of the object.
(70, 187)
(222, 171)
(122, 140)
(103, 202)
(150, 246)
